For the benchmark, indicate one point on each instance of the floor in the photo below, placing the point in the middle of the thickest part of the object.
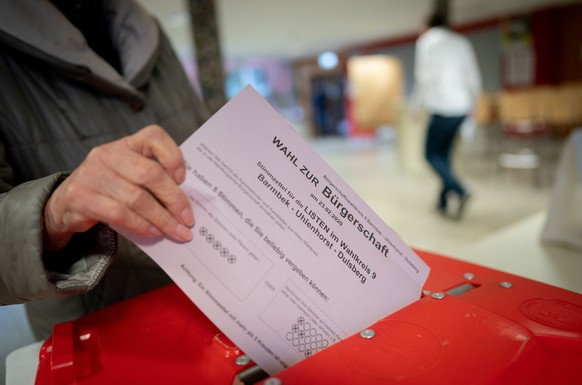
(404, 192)
(389, 173)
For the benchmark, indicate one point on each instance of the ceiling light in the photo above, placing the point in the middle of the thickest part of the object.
(328, 60)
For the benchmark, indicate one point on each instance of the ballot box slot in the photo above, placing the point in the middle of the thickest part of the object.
(461, 289)
(250, 376)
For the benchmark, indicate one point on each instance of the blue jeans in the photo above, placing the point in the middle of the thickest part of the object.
(442, 131)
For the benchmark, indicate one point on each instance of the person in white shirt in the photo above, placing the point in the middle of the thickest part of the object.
(447, 84)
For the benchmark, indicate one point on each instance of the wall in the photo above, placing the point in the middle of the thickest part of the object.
(556, 34)
(487, 49)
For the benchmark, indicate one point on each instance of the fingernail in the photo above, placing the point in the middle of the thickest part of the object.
(187, 217)
(154, 231)
(180, 175)
(184, 233)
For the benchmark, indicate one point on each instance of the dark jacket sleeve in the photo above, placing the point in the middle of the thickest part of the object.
(23, 275)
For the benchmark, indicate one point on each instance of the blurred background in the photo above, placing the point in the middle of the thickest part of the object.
(341, 73)
(297, 54)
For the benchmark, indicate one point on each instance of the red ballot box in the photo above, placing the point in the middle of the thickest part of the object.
(473, 325)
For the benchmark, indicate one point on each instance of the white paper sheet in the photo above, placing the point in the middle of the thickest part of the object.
(286, 258)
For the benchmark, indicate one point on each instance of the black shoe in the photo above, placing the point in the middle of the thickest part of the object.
(462, 204)
(442, 210)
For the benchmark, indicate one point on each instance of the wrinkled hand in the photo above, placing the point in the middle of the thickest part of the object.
(131, 184)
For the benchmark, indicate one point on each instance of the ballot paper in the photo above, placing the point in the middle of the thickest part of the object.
(286, 258)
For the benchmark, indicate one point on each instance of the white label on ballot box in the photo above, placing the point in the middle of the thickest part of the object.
(286, 258)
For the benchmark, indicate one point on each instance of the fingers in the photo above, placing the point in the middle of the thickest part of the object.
(147, 168)
(154, 142)
(151, 196)
(143, 183)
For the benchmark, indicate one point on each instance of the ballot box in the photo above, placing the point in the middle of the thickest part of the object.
(472, 325)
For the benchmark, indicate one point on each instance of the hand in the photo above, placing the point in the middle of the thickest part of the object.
(131, 183)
